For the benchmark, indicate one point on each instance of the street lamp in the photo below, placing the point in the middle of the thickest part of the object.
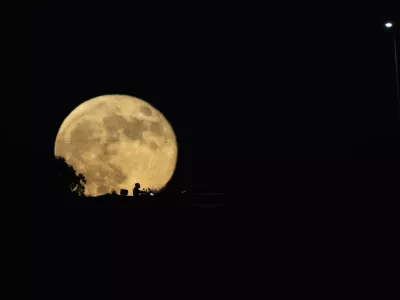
(390, 25)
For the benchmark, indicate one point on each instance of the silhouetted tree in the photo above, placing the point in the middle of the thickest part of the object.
(69, 182)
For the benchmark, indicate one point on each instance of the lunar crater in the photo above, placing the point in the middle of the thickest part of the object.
(146, 110)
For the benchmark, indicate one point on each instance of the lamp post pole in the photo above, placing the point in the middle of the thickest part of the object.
(396, 65)
(397, 68)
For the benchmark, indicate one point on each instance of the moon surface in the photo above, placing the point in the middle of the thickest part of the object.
(116, 141)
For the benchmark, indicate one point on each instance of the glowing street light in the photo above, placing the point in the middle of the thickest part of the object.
(389, 25)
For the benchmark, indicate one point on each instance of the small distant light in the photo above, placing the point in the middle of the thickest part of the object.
(151, 194)
(389, 25)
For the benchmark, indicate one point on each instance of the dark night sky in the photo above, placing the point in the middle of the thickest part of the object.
(277, 98)
(266, 97)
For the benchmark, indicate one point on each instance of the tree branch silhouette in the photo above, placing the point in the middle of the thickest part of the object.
(69, 182)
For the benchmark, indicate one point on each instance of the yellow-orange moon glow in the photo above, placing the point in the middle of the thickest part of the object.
(116, 141)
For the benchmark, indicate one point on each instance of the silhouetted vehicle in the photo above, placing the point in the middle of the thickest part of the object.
(150, 192)
(137, 192)
(124, 192)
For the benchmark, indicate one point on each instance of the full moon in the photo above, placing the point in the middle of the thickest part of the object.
(116, 141)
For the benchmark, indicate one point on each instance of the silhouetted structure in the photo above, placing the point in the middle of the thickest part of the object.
(124, 192)
(136, 190)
